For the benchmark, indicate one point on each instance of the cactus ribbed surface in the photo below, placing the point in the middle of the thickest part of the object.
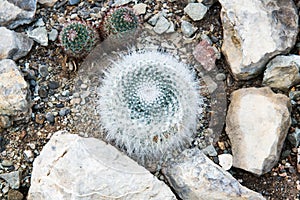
(149, 104)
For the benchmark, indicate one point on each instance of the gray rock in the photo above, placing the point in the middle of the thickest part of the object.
(210, 150)
(256, 31)
(282, 72)
(40, 35)
(52, 35)
(294, 137)
(14, 195)
(49, 3)
(162, 25)
(140, 8)
(71, 167)
(13, 45)
(187, 28)
(12, 178)
(14, 93)
(257, 123)
(153, 20)
(193, 176)
(195, 11)
(121, 2)
(14, 13)
(74, 2)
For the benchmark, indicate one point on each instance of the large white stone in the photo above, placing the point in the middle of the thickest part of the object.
(13, 45)
(257, 123)
(16, 12)
(14, 94)
(193, 176)
(282, 72)
(71, 167)
(255, 31)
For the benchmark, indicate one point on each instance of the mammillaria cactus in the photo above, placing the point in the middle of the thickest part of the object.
(78, 39)
(120, 21)
(149, 104)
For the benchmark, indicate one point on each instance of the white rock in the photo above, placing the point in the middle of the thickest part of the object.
(13, 45)
(153, 20)
(162, 25)
(14, 93)
(255, 31)
(15, 13)
(12, 178)
(49, 3)
(187, 28)
(53, 34)
(282, 72)
(121, 2)
(257, 123)
(140, 8)
(171, 29)
(193, 176)
(195, 11)
(71, 167)
(225, 160)
(40, 35)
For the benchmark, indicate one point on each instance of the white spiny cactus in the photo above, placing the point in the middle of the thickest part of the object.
(149, 104)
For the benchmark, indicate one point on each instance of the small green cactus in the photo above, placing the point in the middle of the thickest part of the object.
(120, 21)
(149, 104)
(78, 39)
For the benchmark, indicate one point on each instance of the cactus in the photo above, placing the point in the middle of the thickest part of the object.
(120, 21)
(149, 104)
(78, 39)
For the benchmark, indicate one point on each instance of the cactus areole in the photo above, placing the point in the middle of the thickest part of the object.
(149, 104)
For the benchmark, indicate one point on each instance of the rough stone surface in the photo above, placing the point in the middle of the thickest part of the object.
(49, 3)
(195, 177)
(12, 178)
(13, 45)
(14, 93)
(255, 31)
(257, 123)
(282, 72)
(195, 11)
(140, 8)
(206, 54)
(14, 13)
(71, 167)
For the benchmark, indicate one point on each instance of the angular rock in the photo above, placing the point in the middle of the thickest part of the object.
(282, 72)
(140, 8)
(195, 11)
(206, 54)
(188, 29)
(14, 93)
(49, 3)
(225, 161)
(13, 45)
(257, 123)
(71, 167)
(40, 35)
(255, 31)
(193, 176)
(162, 25)
(16, 12)
(12, 178)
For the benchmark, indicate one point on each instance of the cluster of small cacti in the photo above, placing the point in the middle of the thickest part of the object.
(78, 39)
(149, 104)
(119, 21)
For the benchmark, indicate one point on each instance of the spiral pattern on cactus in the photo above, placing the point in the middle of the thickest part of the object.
(78, 39)
(149, 104)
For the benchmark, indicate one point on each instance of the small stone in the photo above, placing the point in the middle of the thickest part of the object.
(187, 28)
(43, 70)
(74, 2)
(83, 86)
(6, 163)
(29, 156)
(39, 118)
(195, 11)
(50, 117)
(43, 92)
(210, 150)
(12, 178)
(221, 145)
(53, 85)
(171, 28)
(5, 122)
(153, 20)
(140, 8)
(5, 189)
(294, 137)
(225, 161)
(14, 195)
(221, 77)
(64, 112)
(162, 25)
(53, 34)
(49, 3)
(40, 35)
